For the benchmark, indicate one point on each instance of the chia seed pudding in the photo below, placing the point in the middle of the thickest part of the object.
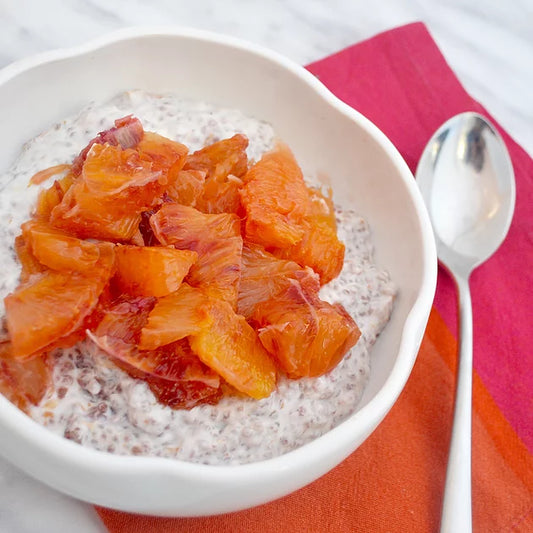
(96, 404)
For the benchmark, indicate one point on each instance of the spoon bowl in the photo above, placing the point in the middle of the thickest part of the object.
(466, 179)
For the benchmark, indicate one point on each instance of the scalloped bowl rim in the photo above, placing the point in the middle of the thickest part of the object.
(373, 413)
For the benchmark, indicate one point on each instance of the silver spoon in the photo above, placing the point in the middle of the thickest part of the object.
(467, 181)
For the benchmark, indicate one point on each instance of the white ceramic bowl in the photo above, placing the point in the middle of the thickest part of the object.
(326, 136)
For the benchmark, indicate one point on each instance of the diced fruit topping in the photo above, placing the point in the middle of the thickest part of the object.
(166, 155)
(173, 372)
(49, 306)
(185, 226)
(127, 133)
(59, 251)
(307, 336)
(221, 158)
(197, 273)
(224, 163)
(23, 382)
(229, 345)
(187, 188)
(180, 379)
(49, 198)
(89, 216)
(275, 199)
(152, 270)
(216, 239)
(264, 276)
(29, 263)
(320, 247)
(47, 173)
(175, 317)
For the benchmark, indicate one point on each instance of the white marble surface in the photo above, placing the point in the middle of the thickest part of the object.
(489, 44)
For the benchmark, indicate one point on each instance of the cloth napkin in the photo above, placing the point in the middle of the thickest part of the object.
(394, 481)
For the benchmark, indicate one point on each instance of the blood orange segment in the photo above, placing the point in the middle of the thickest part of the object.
(127, 133)
(49, 198)
(184, 226)
(165, 153)
(307, 336)
(263, 276)
(218, 268)
(124, 319)
(89, 322)
(221, 158)
(48, 307)
(106, 201)
(176, 376)
(220, 197)
(59, 251)
(187, 188)
(275, 198)
(114, 172)
(47, 173)
(175, 317)
(224, 163)
(29, 263)
(216, 239)
(180, 379)
(152, 270)
(87, 216)
(23, 382)
(230, 346)
(320, 248)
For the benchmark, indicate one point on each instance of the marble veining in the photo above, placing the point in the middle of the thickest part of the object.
(488, 44)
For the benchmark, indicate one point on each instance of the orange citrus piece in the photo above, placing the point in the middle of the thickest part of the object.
(126, 133)
(320, 248)
(166, 155)
(220, 197)
(187, 188)
(230, 346)
(263, 276)
(221, 158)
(152, 270)
(216, 239)
(47, 173)
(23, 382)
(174, 374)
(307, 337)
(88, 216)
(49, 198)
(275, 198)
(112, 171)
(48, 307)
(59, 251)
(224, 163)
(174, 317)
(29, 263)
(184, 226)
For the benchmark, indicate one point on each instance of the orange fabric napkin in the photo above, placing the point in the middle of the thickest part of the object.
(394, 481)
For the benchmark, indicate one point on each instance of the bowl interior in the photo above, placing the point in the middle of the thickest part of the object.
(364, 170)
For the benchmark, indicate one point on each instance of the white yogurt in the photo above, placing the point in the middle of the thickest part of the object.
(98, 405)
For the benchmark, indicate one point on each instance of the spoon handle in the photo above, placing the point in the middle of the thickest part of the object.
(457, 504)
